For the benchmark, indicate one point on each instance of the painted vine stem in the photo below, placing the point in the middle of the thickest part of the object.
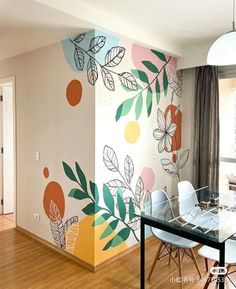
(108, 212)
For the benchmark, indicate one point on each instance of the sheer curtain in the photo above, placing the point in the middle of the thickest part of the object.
(206, 135)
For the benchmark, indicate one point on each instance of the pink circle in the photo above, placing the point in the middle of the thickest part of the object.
(148, 178)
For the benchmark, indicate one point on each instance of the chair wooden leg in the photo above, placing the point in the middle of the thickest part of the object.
(155, 260)
(209, 277)
(228, 268)
(170, 254)
(195, 262)
(206, 264)
(180, 267)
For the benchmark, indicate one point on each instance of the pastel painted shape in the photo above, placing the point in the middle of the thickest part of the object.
(148, 177)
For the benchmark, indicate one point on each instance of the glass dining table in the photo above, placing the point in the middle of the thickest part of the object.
(203, 216)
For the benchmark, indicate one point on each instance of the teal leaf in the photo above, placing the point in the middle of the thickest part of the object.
(121, 206)
(124, 108)
(150, 66)
(69, 173)
(158, 91)
(122, 236)
(81, 176)
(149, 101)
(140, 75)
(108, 198)
(160, 55)
(139, 106)
(109, 229)
(108, 245)
(101, 219)
(77, 194)
(165, 82)
(94, 191)
(131, 209)
(91, 209)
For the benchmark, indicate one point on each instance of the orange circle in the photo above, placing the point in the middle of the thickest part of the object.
(46, 172)
(74, 92)
(53, 192)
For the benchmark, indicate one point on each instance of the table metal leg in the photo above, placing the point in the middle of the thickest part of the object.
(222, 264)
(142, 256)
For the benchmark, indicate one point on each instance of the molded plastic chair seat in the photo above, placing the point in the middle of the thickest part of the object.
(213, 254)
(174, 239)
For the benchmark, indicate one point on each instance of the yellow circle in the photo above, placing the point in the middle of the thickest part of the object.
(132, 132)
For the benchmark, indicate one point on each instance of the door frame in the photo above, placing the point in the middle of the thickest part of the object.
(3, 81)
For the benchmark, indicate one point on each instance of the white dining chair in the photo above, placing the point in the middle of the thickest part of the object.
(160, 204)
(213, 254)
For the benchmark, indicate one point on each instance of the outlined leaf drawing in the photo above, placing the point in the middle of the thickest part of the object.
(124, 108)
(176, 83)
(128, 81)
(54, 212)
(107, 79)
(79, 38)
(58, 233)
(114, 56)
(135, 223)
(183, 158)
(128, 169)
(140, 75)
(110, 159)
(160, 55)
(139, 190)
(79, 58)
(150, 66)
(71, 221)
(92, 71)
(116, 184)
(169, 167)
(71, 237)
(97, 43)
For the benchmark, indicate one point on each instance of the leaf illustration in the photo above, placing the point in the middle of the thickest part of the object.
(124, 108)
(121, 236)
(139, 190)
(160, 55)
(92, 71)
(114, 185)
(77, 194)
(79, 38)
(158, 91)
(150, 66)
(58, 233)
(108, 198)
(69, 173)
(140, 75)
(114, 56)
(107, 79)
(79, 58)
(110, 159)
(81, 176)
(149, 101)
(128, 81)
(139, 106)
(71, 237)
(94, 191)
(121, 206)
(109, 229)
(135, 223)
(128, 169)
(165, 82)
(97, 43)
(91, 209)
(54, 212)
(101, 219)
(177, 89)
(131, 209)
(169, 167)
(183, 158)
(71, 221)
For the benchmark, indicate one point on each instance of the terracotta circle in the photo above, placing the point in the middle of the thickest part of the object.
(74, 92)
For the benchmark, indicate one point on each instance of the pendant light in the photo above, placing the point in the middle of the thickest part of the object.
(223, 50)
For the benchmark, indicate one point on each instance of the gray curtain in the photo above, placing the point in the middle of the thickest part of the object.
(206, 133)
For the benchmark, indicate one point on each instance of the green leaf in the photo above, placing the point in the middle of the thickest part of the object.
(165, 82)
(101, 219)
(90, 209)
(131, 209)
(140, 75)
(108, 245)
(160, 55)
(108, 198)
(121, 206)
(149, 101)
(81, 176)
(109, 229)
(150, 66)
(94, 191)
(124, 108)
(158, 91)
(139, 106)
(77, 194)
(69, 173)
(118, 239)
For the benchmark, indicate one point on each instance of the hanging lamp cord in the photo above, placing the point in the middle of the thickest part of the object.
(233, 15)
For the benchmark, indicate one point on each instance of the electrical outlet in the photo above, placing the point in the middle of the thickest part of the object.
(37, 217)
(37, 155)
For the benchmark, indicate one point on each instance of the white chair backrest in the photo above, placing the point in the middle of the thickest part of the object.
(187, 197)
(158, 202)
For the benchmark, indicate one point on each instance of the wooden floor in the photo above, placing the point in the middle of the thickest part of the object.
(27, 264)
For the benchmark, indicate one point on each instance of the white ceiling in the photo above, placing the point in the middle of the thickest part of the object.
(175, 26)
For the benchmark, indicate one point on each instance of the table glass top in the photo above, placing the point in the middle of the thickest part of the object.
(201, 212)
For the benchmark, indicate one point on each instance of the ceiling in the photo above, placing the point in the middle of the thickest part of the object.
(174, 26)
